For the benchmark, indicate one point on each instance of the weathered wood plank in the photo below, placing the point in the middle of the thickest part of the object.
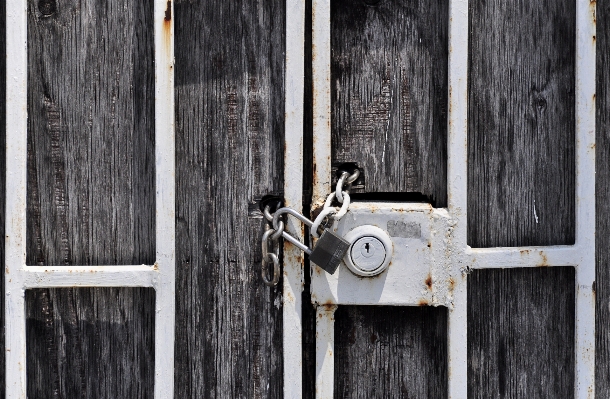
(521, 123)
(90, 133)
(390, 352)
(389, 99)
(90, 342)
(389, 93)
(521, 191)
(521, 333)
(602, 204)
(90, 193)
(229, 142)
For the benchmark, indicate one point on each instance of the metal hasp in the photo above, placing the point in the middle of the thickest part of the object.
(431, 243)
(19, 277)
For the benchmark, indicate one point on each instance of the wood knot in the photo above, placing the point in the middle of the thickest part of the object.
(47, 7)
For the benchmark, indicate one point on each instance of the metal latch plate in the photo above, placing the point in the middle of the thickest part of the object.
(417, 273)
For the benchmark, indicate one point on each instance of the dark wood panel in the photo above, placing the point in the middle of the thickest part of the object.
(229, 139)
(90, 133)
(390, 352)
(521, 123)
(521, 333)
(389, 93)
(2, 179)
(90, 194)
(521, 191)
(602, 203)
(90, 343)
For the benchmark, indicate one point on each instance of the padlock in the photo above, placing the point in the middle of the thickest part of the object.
(329, 251)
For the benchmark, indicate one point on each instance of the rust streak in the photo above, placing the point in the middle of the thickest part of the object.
(545, 261)
(429, 282)
(423, 302)
(168, 11)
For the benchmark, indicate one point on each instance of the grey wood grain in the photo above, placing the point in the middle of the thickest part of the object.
(90, 194)
(90, 133)
(521, 191)
(90, 342)
(602, 203)
(389, 97)
(390, 352)
(229, 143)
(521, 333)
(521, 121)
(389, 93)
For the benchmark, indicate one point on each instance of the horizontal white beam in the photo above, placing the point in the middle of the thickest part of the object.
(87, 276)
(513, 257)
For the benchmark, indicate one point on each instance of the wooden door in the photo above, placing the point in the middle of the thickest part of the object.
(91, 166)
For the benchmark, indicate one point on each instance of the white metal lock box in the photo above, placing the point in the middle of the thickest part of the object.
(416, 272)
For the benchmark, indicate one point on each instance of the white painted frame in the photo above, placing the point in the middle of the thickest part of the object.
(581, 255)
(292, 282)
(19, 277)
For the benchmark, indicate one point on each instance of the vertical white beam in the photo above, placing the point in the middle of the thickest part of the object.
(457, 335)
(585, 198)
(457, 150)
(321, 100)
(457, 172)
(325, 351)
(165, 199)
(293, 196)
(15, 234)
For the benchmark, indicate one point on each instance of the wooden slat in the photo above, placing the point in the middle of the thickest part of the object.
(389, 93)
(90, 342)
(521, 123)
(90, 193)
(602, 205)
(521, 191)
(389, 100)
(229, 143)
(390, 352)
(521, 333)
(90, 133)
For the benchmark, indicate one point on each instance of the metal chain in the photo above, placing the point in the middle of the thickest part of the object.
(275, 226)
(341, 193)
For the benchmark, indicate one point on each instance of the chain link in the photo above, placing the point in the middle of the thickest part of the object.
(275, 226)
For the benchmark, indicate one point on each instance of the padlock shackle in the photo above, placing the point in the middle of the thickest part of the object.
(288, 237)
(290, 211)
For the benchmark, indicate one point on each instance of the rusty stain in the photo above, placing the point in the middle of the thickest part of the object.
(168, 11)
(156, 266)
(290, 296)
(6, 270)
(524, 252)
(545, 261)
(451, 284)
(429, 282)
(423, 302)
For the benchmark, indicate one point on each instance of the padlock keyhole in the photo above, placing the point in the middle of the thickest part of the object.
(366, 246)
